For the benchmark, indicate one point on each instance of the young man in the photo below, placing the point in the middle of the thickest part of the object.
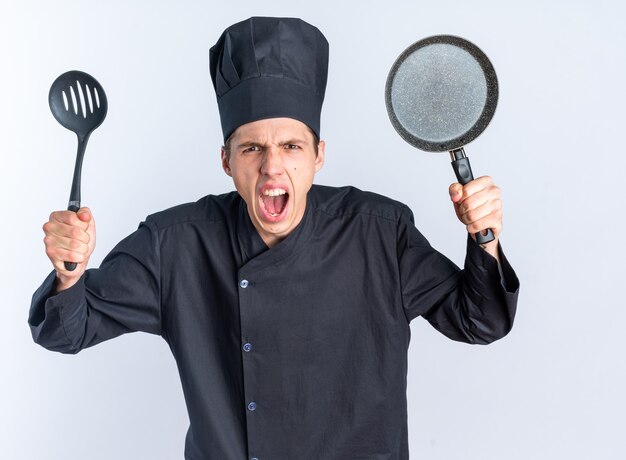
(286, 305)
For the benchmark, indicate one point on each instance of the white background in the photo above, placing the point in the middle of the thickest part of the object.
(552, 389)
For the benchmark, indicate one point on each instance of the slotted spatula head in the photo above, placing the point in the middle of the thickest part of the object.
(78, 102)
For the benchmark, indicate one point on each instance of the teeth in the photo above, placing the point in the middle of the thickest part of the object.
(274, 192)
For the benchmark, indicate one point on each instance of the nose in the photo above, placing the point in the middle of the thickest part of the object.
(272, 164)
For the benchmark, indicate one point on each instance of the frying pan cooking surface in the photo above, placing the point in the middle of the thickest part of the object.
(441, 93)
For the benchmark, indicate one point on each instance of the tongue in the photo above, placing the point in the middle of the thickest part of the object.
(275, 204)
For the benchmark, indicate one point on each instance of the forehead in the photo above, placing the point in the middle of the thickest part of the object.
(272, 130)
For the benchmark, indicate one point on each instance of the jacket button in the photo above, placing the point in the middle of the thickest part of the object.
(252, 406)
(247, 347)
(243, 284)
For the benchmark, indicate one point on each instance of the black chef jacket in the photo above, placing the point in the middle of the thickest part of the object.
(295, 352)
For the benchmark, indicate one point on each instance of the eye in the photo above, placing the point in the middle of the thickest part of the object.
(292, 146)
(252, 148)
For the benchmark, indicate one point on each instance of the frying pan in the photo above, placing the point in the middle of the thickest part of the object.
(441, 94)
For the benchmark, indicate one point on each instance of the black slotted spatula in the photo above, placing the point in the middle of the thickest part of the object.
(79, 103)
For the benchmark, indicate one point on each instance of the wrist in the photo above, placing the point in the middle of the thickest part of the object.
(64, 282)
(492, 249)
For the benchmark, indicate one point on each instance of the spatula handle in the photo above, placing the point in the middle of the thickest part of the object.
(463, 172)
(73, 206)
(70, 266)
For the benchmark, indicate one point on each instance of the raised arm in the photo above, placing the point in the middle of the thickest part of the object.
(476, 304)
(76, 309)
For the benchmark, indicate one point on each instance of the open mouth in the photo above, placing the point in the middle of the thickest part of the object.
(274, 202)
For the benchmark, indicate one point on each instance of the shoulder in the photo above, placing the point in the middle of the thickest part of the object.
(348, 200)
(211, 208)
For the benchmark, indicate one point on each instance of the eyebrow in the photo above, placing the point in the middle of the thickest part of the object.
(249, 144)
(294, 140)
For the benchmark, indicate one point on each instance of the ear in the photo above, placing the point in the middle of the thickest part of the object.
(226, 163)
(319, 160)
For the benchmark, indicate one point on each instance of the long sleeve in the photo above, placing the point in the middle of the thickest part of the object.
(121, 296)
(473, 305)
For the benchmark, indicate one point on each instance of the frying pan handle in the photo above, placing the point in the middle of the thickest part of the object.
(73, 206)
(463, 172)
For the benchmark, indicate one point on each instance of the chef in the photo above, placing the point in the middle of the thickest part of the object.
(286, 304)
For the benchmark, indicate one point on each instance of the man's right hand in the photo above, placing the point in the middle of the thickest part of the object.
(69, 237)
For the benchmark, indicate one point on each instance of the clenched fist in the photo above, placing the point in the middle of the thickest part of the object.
(479, 207)
(69, 237)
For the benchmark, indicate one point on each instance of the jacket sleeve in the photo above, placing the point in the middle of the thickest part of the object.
(474, 305)
(121, 296)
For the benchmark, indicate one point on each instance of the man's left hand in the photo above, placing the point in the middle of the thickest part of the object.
(479, 207)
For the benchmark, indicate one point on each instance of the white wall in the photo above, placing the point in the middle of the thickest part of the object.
(552, 389)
